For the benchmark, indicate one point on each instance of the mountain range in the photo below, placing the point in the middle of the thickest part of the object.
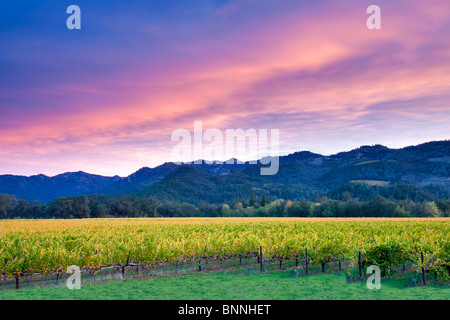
(424, 168)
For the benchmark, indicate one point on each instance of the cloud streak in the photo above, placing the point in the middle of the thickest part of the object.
(106, 100)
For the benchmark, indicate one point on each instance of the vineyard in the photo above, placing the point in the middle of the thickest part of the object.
(29, 247)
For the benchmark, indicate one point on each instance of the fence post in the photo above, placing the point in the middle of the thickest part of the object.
(359, 265)
(423, 269)
(261, 258)
(306, 260)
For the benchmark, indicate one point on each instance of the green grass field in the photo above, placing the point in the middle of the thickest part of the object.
(238, 284)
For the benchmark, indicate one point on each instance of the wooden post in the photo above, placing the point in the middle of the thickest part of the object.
(261, 258)
(359, 264)
(306, 261)
(126, 264)
(423, 269)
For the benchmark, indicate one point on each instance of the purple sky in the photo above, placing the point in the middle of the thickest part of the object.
(105, 99)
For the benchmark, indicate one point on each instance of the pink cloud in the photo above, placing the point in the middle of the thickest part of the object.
(320, 64)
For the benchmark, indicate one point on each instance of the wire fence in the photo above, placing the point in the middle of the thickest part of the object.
(247, 264)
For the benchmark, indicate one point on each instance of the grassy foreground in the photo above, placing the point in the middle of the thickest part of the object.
(231, 285)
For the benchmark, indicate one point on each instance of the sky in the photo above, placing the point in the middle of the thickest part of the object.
(105, 99)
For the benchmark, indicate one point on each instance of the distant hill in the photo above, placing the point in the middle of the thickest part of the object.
(419, 172)
(189, 184)
(137, 181)
(43, 188)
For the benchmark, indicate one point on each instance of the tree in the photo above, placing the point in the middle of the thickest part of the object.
(208, 210)
(81, 207)
(252, 202)
(379, 207)
(5, 205)
(189, 210)
(444, 207)
(299, 209)
(263, 201)
(122, 206)
(431, 210)
(225, 211)
(98, 206)
(401, 212)
(237, 205)
(36, 210)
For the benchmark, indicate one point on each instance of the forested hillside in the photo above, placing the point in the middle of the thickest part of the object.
(418, 173)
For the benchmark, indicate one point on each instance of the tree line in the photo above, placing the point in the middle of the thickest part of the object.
(123, 206)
